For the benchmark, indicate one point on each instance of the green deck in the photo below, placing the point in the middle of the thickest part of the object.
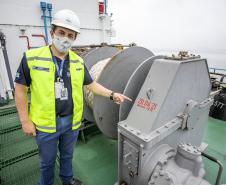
(215, 136)
(95, 162)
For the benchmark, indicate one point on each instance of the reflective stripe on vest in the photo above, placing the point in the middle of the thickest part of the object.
(39, 58)
(46, 128)
(42, 71)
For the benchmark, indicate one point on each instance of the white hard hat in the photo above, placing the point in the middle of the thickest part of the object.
(67, 19)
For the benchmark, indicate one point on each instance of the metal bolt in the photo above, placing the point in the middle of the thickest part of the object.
(165, 162)
(125, 125)
(155, 175)
(161, 173)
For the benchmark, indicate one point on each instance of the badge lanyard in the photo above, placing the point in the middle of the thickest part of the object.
(59, 70)
(60, 91)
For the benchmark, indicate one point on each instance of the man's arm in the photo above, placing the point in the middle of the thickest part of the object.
(98, 89)
(22, 108)
(23, 81)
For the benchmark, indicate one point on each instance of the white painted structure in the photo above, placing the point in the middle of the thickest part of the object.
(23, 17)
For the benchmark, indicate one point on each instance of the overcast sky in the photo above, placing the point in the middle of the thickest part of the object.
(163, 25)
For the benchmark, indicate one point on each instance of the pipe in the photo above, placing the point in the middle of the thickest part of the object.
(37, 26)
(4, 101)
(103, 22)
(213, 73)
(43, 8)
(50, 7)
(33, 35)
(28, 42)
(3, 44)
(220, 171)
(105, 7)
(40, 35)
(217, 69)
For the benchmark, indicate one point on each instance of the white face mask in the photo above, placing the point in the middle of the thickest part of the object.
(62, 44)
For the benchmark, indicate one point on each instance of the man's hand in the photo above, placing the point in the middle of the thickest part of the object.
(98, 89)
(29, 128)
(120, 98)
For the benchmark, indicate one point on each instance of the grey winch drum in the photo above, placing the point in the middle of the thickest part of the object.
(90, 59)
(124, 73)
(98, 54)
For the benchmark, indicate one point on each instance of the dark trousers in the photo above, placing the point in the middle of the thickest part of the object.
(64, 139)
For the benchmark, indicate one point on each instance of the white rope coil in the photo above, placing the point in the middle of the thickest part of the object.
(95, 73)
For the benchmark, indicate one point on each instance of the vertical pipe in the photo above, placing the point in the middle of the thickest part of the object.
(50, 16)
(103, 22)
(3, 44)
(220, 170)
(43, 8)
(27, 39)
(105, 7)
(50, 7)
(40, 35)
(45, 26)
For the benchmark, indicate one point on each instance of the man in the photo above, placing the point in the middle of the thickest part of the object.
(56, 76)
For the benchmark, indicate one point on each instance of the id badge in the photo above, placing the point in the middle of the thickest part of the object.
(58, 88)
(64, 94)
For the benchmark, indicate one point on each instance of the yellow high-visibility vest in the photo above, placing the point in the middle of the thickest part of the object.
(42, 71)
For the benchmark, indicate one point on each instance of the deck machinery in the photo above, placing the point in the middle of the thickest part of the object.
(159, 133)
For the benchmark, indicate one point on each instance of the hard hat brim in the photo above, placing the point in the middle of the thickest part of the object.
(66, 26)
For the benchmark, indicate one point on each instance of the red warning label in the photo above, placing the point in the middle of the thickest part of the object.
(146, 104)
